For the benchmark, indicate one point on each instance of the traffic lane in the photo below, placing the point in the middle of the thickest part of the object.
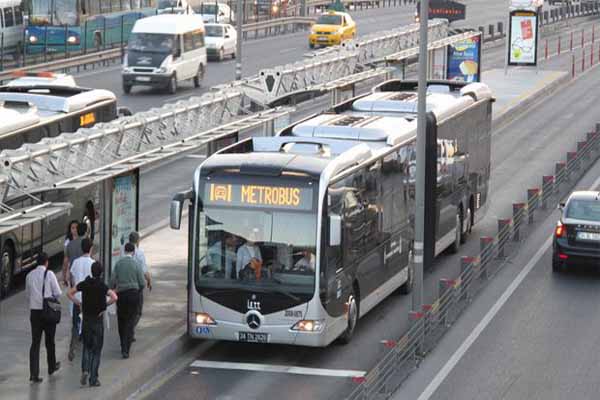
(543, 344)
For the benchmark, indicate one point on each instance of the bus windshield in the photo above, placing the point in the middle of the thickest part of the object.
(256, 249)
(53, 12)
(152, 42)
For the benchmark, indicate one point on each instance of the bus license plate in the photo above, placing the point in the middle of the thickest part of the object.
(588, 236)
(143, 78)
(253, 337)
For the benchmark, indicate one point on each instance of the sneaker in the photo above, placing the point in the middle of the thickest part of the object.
(35, 379)
(56, 368)
(84, 379)
(96, 383)
(125, 355)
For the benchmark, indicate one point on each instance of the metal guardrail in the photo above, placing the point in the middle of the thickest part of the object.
(454, 295)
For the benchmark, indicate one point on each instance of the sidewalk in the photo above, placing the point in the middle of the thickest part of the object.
(161, 332)
(161, 326)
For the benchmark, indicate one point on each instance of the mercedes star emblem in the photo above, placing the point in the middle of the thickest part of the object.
(253, 321)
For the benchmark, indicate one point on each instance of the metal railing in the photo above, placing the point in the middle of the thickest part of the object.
(455, 294)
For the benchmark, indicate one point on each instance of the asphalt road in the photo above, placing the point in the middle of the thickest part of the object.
(523, 151)
(273, 51)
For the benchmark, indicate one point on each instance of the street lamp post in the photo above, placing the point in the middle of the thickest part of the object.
(240, 36)
(417, 294)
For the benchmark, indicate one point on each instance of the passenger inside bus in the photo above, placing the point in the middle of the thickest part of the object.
(222, 254)
(249, 258)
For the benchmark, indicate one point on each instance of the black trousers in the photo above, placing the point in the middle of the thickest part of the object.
(37, 328)
(127, 310)
(140, 309)
(93, 340)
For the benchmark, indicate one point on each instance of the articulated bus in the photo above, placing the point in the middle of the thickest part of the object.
(293, 238)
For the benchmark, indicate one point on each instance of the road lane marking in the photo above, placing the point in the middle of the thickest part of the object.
(468, 342)
(336, 373)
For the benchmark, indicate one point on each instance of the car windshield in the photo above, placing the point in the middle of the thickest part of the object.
(152, 42)
(256, 249)
(588, 210)
(162, 4)
(208, 9)
(53, 12)
(214, 30)
(329, 20)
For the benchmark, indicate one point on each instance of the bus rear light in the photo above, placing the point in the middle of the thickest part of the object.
(560, 230)
(308, 325)
(204, 319)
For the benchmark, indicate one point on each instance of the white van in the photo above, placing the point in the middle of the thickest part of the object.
(11, 26)
(163, 50)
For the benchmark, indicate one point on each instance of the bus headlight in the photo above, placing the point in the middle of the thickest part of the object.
(73, 40)
(308, 325)
(204, 319)
(33, 39)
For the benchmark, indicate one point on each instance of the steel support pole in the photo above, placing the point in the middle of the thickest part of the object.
(417, 294)
(240, 37)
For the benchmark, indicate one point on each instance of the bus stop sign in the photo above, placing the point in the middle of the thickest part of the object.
(445, 9)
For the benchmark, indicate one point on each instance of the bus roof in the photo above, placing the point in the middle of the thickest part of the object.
(51, 98)
(171, 24)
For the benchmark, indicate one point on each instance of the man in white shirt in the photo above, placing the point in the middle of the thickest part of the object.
(37, 281)
(222, 256)
(140, 259)
(246, 253)
(80, 270)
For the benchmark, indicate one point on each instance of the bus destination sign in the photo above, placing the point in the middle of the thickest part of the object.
(259, 196)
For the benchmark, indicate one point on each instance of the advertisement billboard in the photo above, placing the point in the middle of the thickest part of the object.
(522, 49)
(464, 60)
(124, 213)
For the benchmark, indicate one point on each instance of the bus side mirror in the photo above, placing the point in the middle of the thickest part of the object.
(335, 230)
(177, 208)
(175, 213)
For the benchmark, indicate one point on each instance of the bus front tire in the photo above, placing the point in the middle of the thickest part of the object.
(408, 285)
(172, 85)
(353, 314)
(6, 270)
(468, 226)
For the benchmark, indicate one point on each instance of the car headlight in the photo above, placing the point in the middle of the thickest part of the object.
(163, 70)
(73, 40)
(204, 319)
(308, 325)
(33, 39)
(127, 70)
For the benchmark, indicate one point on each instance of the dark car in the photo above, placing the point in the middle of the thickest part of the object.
(577, 233)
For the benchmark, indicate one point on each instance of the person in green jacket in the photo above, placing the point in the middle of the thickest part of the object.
(127, 280)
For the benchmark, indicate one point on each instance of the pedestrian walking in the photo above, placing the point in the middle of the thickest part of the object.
(41, 283)
(128, 280)
(140, 259)
(93, 304)
(72, 252)
(80, 270)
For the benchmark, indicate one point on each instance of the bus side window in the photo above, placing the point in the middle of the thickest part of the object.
(188, 42)
(18, 16)
(8, 17)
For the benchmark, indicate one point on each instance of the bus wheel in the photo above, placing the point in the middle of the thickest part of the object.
(353, 304)
(6, 271)
(199, 76)
(172, 86)
(458, 232)
(468, 222)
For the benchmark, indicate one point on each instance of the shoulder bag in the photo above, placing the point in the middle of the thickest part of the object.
(51, 309)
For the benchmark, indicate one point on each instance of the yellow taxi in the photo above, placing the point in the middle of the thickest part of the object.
(331, 28)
